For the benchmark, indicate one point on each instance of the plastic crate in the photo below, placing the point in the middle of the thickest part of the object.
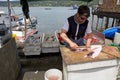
(50, 43)
(32, 45)
(32, 50)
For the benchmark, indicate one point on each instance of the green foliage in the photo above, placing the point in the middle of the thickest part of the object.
(37, 3)
(115, 45)
(55, 3)
(63, 0)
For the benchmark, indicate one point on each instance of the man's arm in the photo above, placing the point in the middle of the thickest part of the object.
(66, 39)
(64, 36)
(89, 35)
(89, 40)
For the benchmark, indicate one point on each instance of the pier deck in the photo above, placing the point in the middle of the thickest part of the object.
(34, 67)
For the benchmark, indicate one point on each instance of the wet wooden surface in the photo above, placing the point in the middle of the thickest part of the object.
(72, 57)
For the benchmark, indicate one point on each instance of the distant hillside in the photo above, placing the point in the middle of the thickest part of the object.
(13, 3)
(48, 3)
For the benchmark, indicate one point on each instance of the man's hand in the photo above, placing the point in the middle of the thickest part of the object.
(89, 49)
(73, 46)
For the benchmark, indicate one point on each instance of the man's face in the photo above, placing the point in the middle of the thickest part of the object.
(81, 18)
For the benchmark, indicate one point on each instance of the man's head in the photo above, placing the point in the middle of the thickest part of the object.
(84, 10)
(82, 14)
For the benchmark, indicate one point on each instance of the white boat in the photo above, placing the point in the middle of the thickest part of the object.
(19, 30)
(22, 31)
(75, 7)
(4, 18)
(31, 22)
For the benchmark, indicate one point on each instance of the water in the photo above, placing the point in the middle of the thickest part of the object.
(50, 19)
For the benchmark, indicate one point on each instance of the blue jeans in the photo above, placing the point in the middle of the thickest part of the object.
(79, 42)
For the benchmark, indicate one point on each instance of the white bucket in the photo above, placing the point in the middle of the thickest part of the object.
(53, 74)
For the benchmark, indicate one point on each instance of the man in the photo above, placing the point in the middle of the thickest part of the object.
(76, 27)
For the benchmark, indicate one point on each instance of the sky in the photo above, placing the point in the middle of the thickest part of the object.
(10, 0)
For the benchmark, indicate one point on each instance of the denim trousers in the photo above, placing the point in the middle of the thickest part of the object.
(79, 42)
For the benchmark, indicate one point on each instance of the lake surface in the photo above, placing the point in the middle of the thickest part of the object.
(49, 19)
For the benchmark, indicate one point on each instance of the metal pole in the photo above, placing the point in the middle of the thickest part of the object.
(9, 12)
(25, 29)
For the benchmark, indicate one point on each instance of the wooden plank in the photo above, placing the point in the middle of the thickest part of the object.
(110, 50)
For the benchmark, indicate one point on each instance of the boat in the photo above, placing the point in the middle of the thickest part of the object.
(19, 29)
(5, 35)
(75, 7)
(27, 25)
(21, 35)
(4, 18)
(18, 26)
(32, 21)
(48, 8)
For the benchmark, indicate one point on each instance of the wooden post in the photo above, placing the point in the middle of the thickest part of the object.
(92, 21)
(25, 29)
(97, 22)
(113, 22)
(102, 23)
(117, 22)
(107, 21)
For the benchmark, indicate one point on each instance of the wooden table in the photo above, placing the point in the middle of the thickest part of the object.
(76, 66)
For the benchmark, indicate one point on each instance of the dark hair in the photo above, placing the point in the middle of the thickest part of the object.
(84, 10)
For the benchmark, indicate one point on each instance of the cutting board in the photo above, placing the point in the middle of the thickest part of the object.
(73, 57)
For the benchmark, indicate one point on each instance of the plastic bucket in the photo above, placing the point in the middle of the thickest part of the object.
(53, 74)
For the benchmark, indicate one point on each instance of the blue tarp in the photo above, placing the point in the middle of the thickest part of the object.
(110, 32)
